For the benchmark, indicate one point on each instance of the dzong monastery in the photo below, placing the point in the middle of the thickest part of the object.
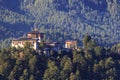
(35, 38)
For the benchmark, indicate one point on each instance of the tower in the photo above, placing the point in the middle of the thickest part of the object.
(35, 34)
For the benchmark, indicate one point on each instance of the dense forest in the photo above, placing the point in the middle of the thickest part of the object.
(61, 19)
(89, 63)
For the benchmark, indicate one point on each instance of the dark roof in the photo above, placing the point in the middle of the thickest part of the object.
(22, 39)
(71, 41)
(48, 43)
(56, 43)
(35, 32)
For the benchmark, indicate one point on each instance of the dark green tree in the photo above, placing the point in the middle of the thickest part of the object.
(86, 40)
(52, 72)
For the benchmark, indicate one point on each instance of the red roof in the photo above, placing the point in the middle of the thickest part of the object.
(35, 32)
(22, 39)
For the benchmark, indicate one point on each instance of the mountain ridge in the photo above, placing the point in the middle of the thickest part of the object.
(64, 19)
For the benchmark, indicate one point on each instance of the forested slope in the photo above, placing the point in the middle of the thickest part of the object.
(89, 63)
(64, 19)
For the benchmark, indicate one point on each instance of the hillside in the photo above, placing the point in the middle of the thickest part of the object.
(89, 63)
(63, 19)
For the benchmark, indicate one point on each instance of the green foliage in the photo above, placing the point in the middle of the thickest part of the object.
(98, 51)
(116, 48)
(52, 72)
(32, 63)
(75, 76)
(63, 20)
(86, 39)
(32, 77)
(66, 68)
(97, 63)
(66, 64)
(88, 43)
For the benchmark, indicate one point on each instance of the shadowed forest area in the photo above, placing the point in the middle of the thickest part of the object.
(89, 63)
